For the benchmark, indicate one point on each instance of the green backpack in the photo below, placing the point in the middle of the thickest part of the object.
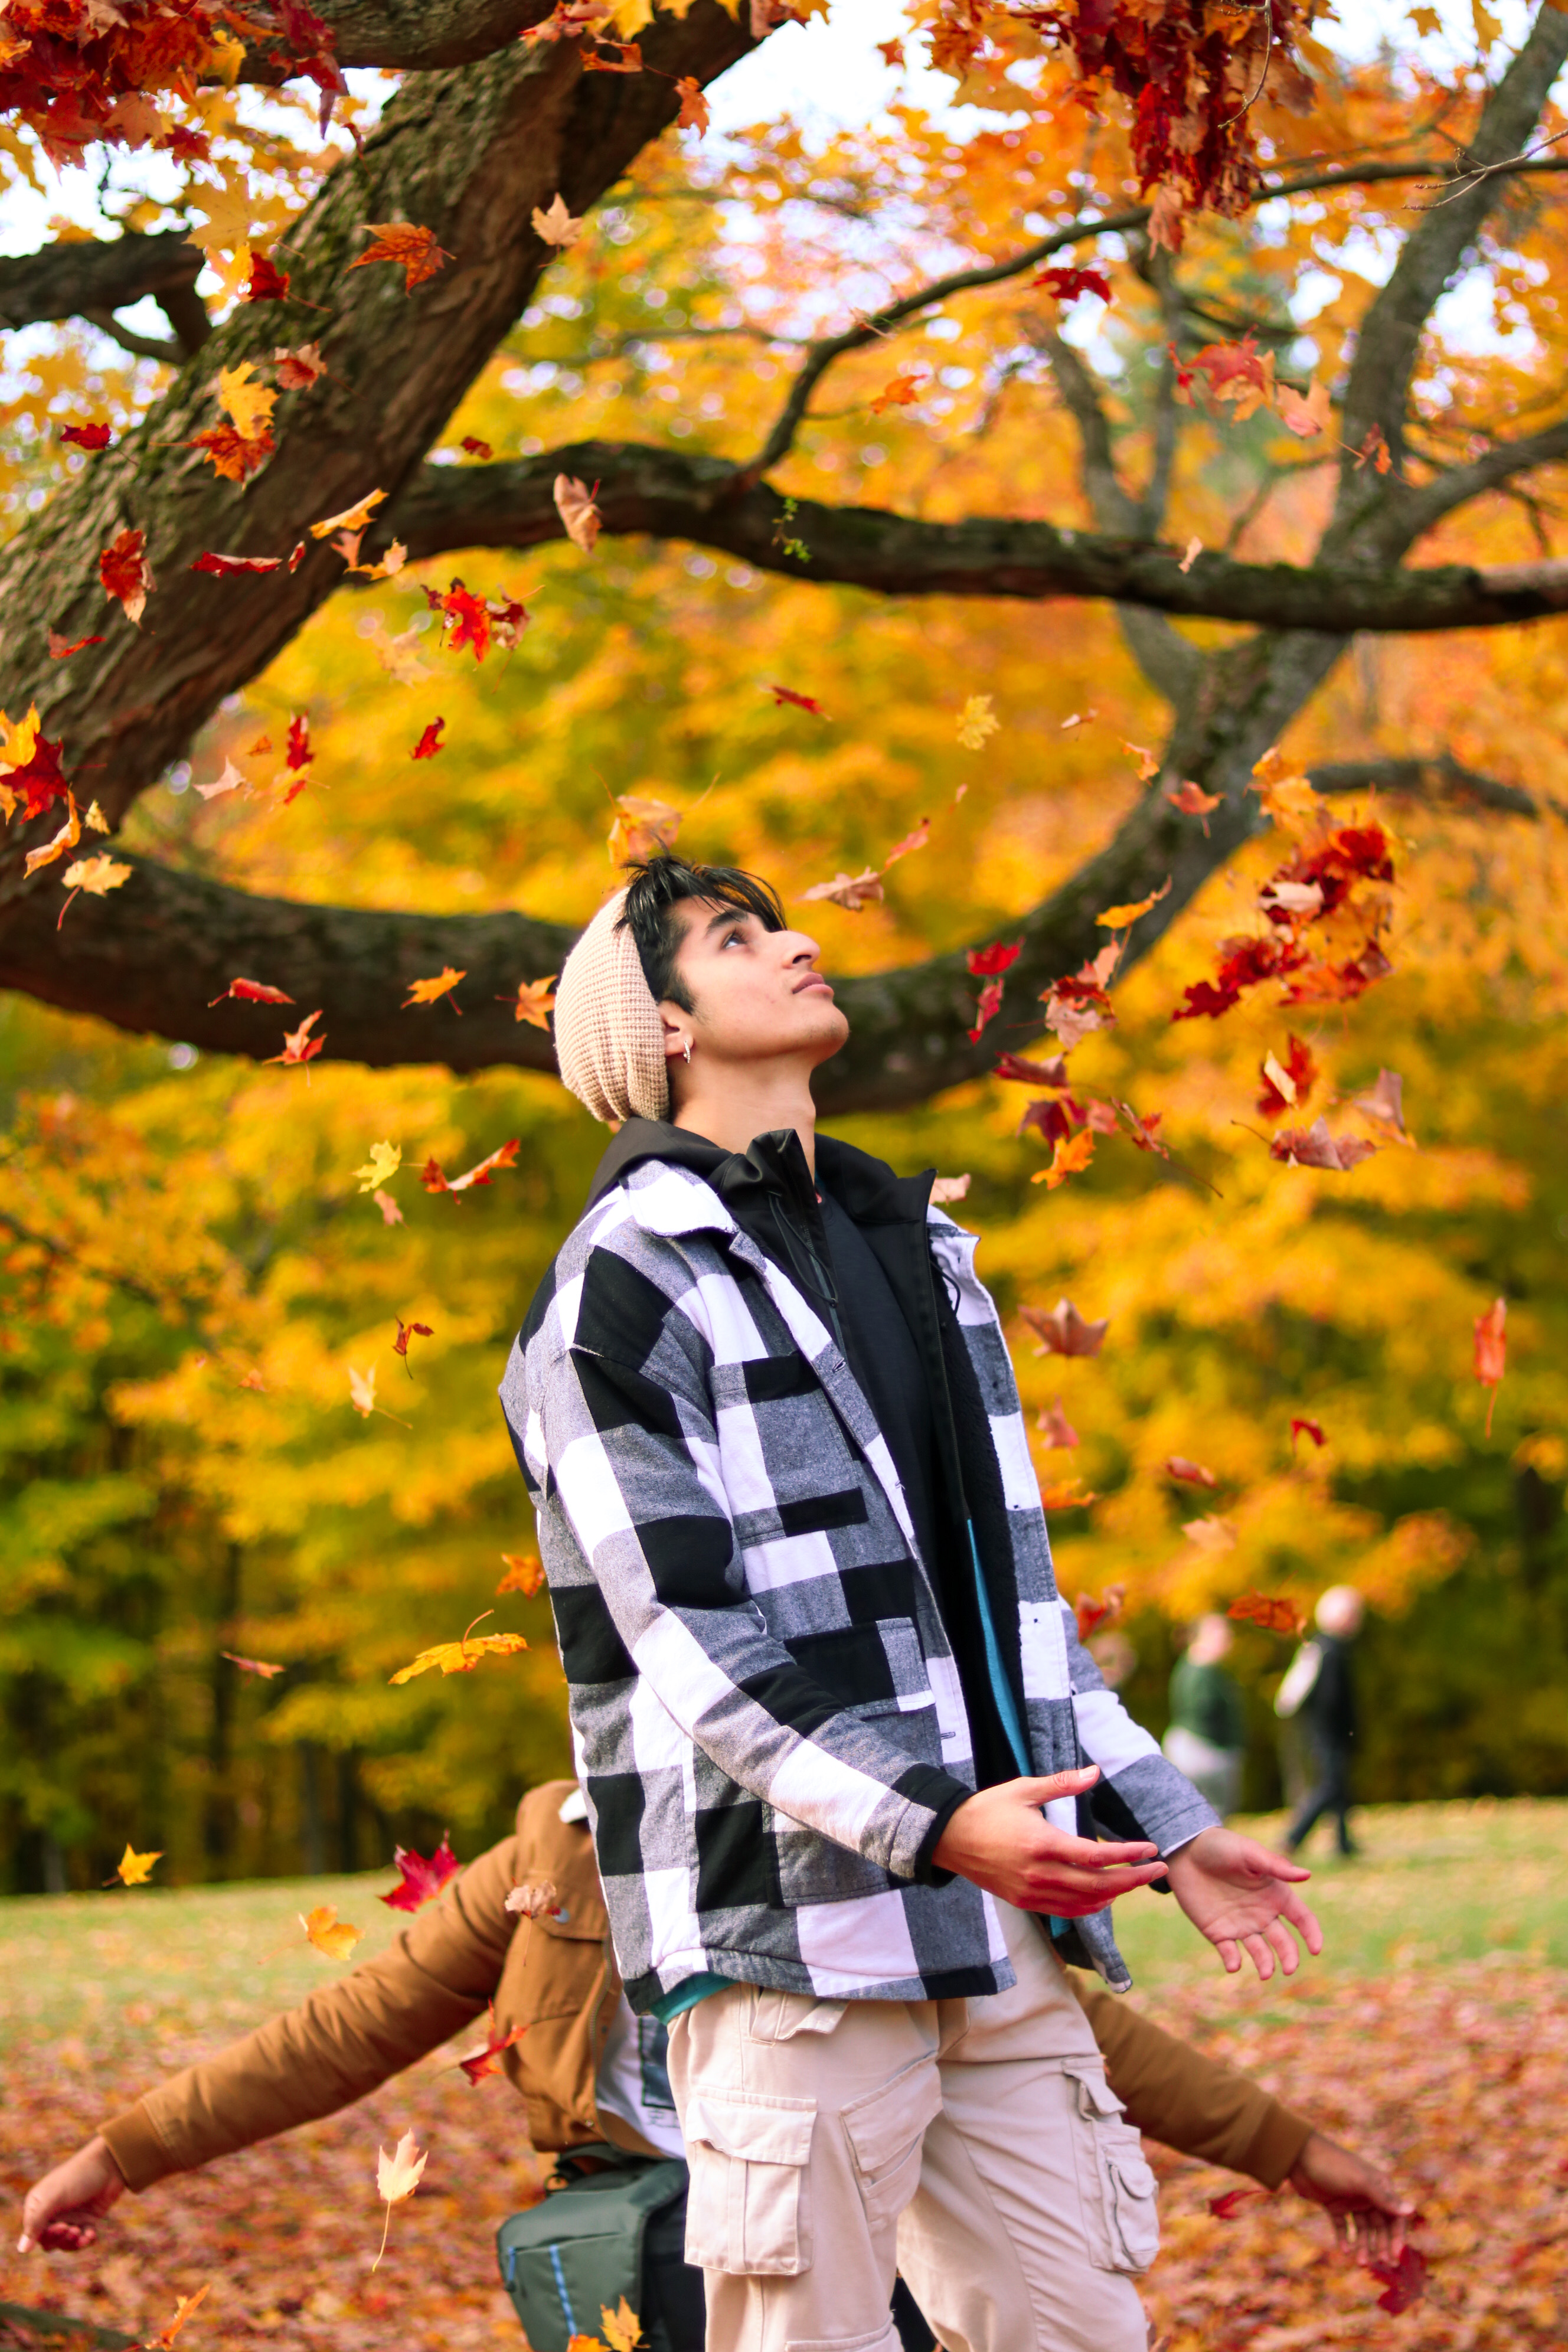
(580, 2251)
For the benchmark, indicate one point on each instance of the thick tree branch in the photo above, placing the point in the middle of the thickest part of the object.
(671, 495)
(73, 281)
(408, 35)
(468, 153)
(1441, 778)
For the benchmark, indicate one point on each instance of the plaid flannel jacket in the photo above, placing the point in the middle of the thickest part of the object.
(767, 1715)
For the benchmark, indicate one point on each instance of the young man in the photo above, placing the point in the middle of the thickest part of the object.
(839, 1741)
(590, 2073)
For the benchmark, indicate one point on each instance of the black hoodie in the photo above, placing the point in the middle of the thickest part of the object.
(861, 1256)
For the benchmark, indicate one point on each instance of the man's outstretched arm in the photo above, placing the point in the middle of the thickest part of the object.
(349, 2038)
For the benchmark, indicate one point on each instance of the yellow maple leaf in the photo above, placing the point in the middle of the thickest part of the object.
(1290, 800)
(534, 1001)
(352, 518)
(524, 1574)
(386, 1159)
(554, 224)
(249, 403)
(95, 820)
(224, 215)
(461, 1657)
(1117, 919)
(977, 721)
(135, 1869)
(18, 738)
(97, 876)
(426, 992)
(328, 1933)
(621, 2328)
(1071, 1156)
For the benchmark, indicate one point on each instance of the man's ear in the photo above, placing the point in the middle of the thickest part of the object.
(675, 1031)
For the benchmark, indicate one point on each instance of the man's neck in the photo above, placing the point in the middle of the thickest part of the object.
(732, 1107)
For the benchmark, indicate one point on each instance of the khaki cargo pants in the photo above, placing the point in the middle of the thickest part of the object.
(973, 2145)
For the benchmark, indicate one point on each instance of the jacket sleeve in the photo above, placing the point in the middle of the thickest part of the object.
(1198, 2106)
(646, 1578)
(345, 2040)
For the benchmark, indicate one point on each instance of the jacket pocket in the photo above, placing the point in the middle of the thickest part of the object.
(748, 2212)
(1120, 2194)
(887, 2131)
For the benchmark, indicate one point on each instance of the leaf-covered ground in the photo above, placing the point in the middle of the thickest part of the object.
(1454, 2071)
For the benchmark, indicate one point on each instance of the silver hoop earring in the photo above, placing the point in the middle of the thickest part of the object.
(688, 1049)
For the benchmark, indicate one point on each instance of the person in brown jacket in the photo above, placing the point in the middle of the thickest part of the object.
(584, 2077)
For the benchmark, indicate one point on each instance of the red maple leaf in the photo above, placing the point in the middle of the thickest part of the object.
(986, 962)
(234, 454)
(406, 1331)
(1302, 1072)
(299, 753)
(430, 743)
(39, 782)
(267, 282)
(227, 567)
(481, 2063)
(1022, 1072)
(1066, 285)
(1244, 963)
(801, 701)
(985, 1012)
(1313, 1429)
(435, 1180)
(88, 436)
(476, 447)
(466, 614)
(421, 1879)
(1404, 2282)
(252, 991)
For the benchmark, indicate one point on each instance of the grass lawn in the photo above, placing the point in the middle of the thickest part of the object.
(1432, 2034)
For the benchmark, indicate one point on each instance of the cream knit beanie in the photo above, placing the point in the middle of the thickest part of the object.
(610, 1039)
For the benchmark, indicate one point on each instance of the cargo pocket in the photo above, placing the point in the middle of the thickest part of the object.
(886, 2133)
(748, 2213)
(1120, 2195)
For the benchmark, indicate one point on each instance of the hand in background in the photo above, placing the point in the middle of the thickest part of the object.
(1001, 1841)
(62, 2207)
(1243, 1899)
(1366, 2209)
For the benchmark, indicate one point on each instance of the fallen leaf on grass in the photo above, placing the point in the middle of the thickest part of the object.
(580, 518)
(135, 1869)
(416, 251)
(1064, 1332)
(1270, 1611)
(398, 2176)
(1491, 1351)
(524, 1574)
(429, 992)
(420, 1877)
(331, 1936)
(504, 1156)
(262, 1667)
(485, 2059)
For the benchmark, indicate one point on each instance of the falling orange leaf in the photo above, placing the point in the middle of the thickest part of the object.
(135, 1869)
(299, 1045)
(416, 251)
(1071, 1156)
(904, 391)
(1491, 1351)
(485, 2059)
(183, 2307)
(1064, 1332)
(1270, 1611)
(427, 991)
(643, 827)
(504, 1156)
(261, 1666)
(524, 1574)
(1118, 919)
(554, 224)
(533, 1002)
(126, 574)
(693, 115)
(1065, 1495)
(329, 1933)
(1092, 1614)
(354, 518)
(461, 1657)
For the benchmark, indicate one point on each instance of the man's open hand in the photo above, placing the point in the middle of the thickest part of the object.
(61, 2208)
(1243, 1899)
(1368, 2212)
(1002, 1841)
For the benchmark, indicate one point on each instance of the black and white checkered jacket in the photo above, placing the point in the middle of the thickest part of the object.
(766, 1715)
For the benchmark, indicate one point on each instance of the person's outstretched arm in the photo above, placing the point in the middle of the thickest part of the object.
(347, 2039)
(1202, 2108)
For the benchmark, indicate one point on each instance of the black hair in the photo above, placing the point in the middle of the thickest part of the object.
(662, 884)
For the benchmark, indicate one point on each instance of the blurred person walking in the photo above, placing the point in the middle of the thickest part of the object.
(1320, 1687)
(1207, 1735)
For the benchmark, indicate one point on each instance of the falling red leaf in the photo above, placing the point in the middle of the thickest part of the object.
(1066, 285)
(1299, 1068)
(1056, 1428)
(298, 753)
(1191, 1473)
(1064, 1332)
(37, 779)
(421, 1879)
(1051, 1120)
(299, 1045)
(693, 115)
(435, 1180)
(252, 991)
(1244, 963)
(466, 614)
(1404, 2282)
(1314, 1147)
(125, 573)
(262, 1667)
(1193, 801)
(801, 701)
(1226, 2208)
(486, 2061)
(1092, 1614)
(234, 454)
(985, 1012)
(298, 370)
(1312, 1429)
(1275, 1614)
(406, 1331)
(1491, 1351)
(416, 250)
(225, 567)
(430, 743)
(986, 962)
(476, 447)
(912, 841)
(1022, 1072)
(267, 282)
(61, 649)
(1374, 451)
(88, 436)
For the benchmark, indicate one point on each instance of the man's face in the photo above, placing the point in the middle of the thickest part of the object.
(758, 993)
